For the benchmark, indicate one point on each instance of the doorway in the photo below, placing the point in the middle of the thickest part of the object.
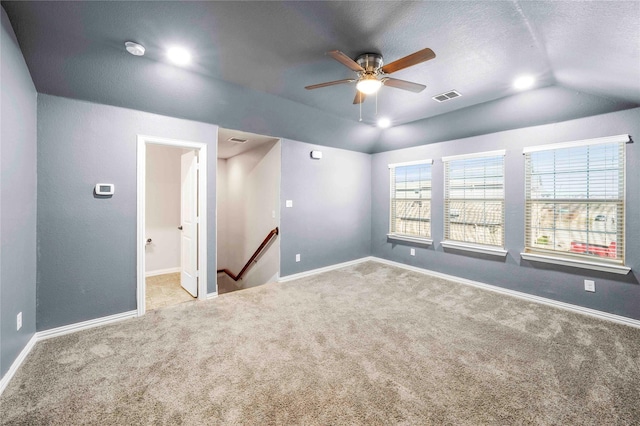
(171, 235)
(248, 210)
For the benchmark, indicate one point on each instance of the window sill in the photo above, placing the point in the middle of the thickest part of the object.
(596, 266)
(493, 251)
(407, 238)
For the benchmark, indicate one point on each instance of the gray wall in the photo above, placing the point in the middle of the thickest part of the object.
(330, 221)
(87, 245)
(17, 199)
(614, 293)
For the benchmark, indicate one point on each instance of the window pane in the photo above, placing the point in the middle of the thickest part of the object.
(474, 200)
(412, 218)
(575, 200)
(476, 222)
(411, 200)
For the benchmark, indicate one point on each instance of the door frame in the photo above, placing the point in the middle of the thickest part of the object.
(142, 142)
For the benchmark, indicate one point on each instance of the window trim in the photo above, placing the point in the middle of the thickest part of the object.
(411, 163)
(464, 245)
(471, 155)
(576, 263)
(403, 237)
(574, 144)
(410, 239)
(476, 248)
(559, 258)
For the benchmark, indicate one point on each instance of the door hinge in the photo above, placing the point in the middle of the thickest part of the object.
(197, 274)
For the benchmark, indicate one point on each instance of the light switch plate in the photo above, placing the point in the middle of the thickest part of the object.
(413, 252)
(289, 203)
(590, 285)
(297, 257)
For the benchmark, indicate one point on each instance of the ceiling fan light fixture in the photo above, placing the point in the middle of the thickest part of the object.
(369, 85)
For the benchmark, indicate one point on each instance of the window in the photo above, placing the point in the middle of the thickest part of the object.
(474, 200)
(410, 217)
(575, 200)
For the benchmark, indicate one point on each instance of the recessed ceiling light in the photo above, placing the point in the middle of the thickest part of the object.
(524, 82)
(383, 123)
(179, 55)
(134, 48)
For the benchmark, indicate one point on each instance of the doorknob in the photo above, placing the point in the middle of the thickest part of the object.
(180, 227)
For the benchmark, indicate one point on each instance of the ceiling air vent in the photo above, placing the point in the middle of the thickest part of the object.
(447, 96)
(237, 140)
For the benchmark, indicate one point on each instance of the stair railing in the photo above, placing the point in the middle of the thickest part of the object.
(255, 255)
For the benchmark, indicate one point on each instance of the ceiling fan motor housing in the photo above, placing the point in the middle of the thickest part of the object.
(371, 62)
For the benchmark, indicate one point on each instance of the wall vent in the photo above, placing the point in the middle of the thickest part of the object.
(446, 96)
(237, 140)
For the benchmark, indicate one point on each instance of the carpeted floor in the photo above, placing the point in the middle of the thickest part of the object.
(367, 344)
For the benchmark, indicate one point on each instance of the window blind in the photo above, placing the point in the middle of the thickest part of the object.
(474, 198)
(410, 199)
(575, 200)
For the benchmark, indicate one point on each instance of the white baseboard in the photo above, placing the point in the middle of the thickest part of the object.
(72, 328)
(275, 278)
(17, 363)
(321, 270)
(529, 297)
(162, 271)
(212, 295)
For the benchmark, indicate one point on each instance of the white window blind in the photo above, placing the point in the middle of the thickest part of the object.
(474, 198)
(575, 200)
(411, 199)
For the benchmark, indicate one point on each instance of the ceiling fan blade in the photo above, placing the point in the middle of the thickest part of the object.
(345, 60)
(329, 83)
(409, 61)
(360, 97)
(404, 85)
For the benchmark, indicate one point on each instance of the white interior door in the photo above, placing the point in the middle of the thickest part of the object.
(189, 223)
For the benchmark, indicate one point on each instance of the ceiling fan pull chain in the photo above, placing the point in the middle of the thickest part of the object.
(376, 104)
(360, 108)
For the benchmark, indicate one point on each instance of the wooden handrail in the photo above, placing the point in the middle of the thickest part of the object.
(266, 241)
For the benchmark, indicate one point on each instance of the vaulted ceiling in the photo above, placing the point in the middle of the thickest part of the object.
(252, 61)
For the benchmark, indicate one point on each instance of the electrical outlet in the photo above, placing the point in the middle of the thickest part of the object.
(590, 285)
(298, 257)
(288, 203)
(273, 214)
(19, 321)
(413, 252)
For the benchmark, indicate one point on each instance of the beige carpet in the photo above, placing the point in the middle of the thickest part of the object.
(367, 344)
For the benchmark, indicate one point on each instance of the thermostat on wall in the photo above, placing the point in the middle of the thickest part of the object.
(105, 188)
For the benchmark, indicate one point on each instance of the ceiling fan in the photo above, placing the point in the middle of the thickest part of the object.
(371, 74)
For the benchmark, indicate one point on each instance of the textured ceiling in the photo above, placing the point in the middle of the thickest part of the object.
(228, 149)
(253, 59)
